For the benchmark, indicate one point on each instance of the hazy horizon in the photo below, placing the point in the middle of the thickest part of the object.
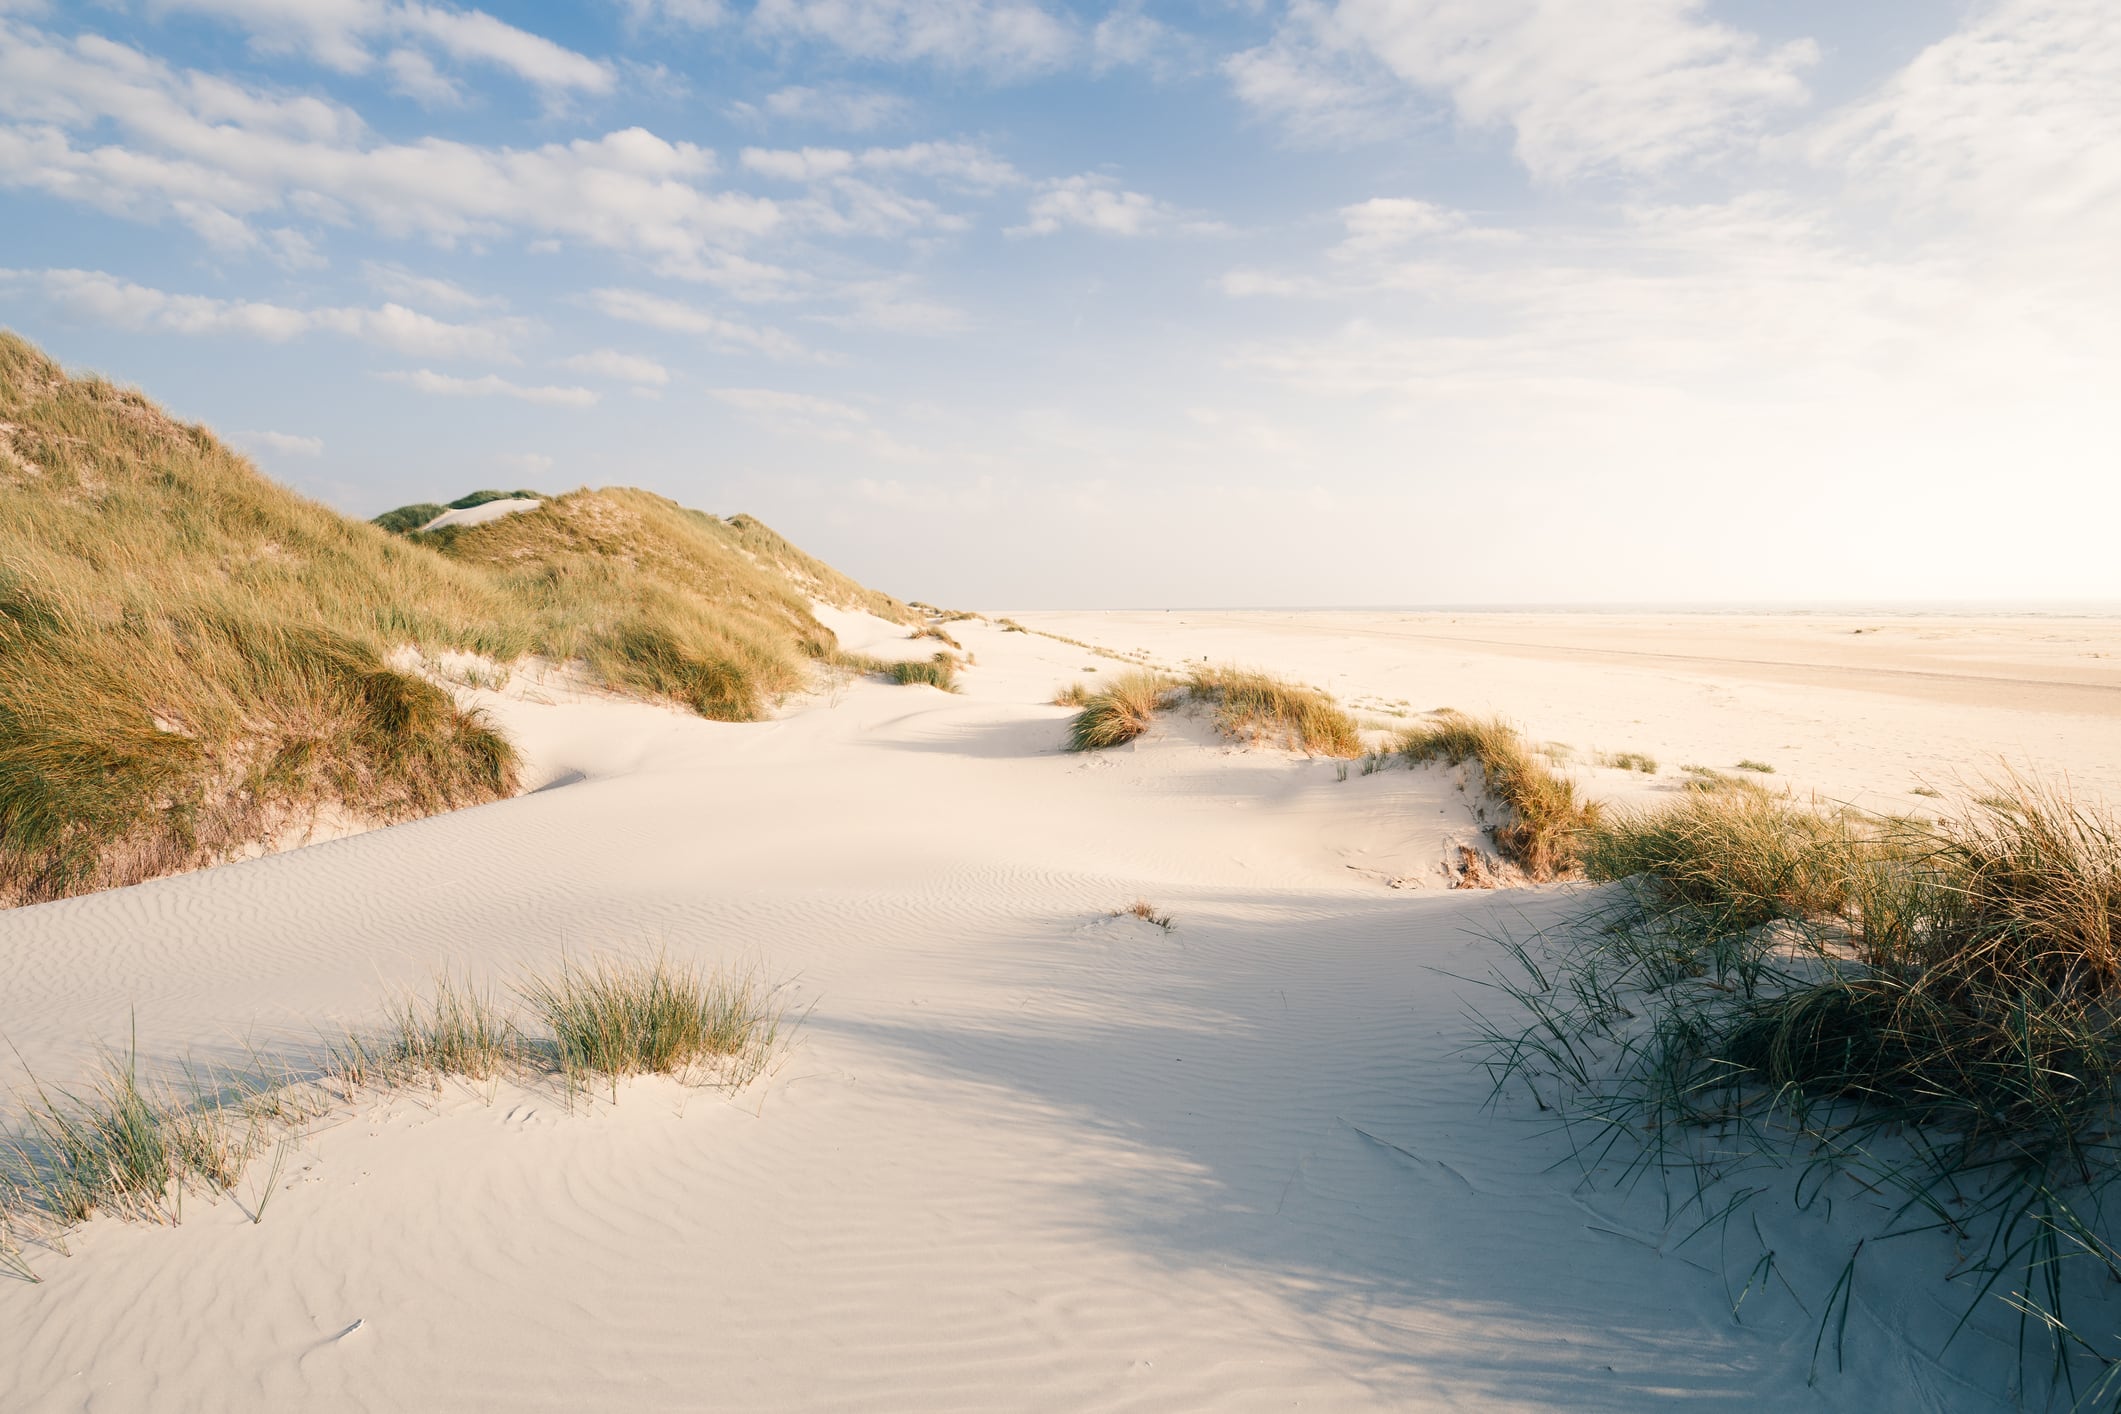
(1309, 302)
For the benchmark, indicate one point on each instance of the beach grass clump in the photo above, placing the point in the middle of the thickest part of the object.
(1547, 818)
(1260, 707)
(611, 1019)
(461, 1029)
(1147, 912)
(1732, 859)
(938, 633)
(1760, 767)
(1629, 761)
(1075, 694)
(1931, 1009)
(1119, 711)
(122, 1145)
(939, 671)
(195, 661)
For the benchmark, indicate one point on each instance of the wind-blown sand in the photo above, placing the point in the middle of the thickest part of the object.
(1023, 1155)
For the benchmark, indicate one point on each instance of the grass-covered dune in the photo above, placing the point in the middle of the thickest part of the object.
(194, 660)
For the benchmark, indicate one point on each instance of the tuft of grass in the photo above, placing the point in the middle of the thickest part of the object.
(939, 671)
(935, 631)
(1925, 1008)
(1075, 694)
(194, 660)
(1728, 860)
(1629, 761)
(461, 1030)
(1258, 706)
(1546, 820)
(1119, 711)
(124, 1146)
(1146, 911)
(614, 1019)
(1761, 766)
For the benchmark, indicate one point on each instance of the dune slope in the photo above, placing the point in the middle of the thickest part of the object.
(196, 662)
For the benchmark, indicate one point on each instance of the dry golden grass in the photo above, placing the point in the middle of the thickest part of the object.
(1547, 819)
(1119, 711)
(1260, 707)
(194, 659)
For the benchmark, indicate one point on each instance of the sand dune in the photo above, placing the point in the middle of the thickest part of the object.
(1024, 1155)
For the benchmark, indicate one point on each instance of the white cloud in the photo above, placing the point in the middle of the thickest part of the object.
(889, 305)
(337, 34)
(657, 312)
(811, 164)
(1094, 203)
(1126, 36)
(2010, 122)
(415, 75)
(838, 106)
(108, 299)
(398, 283)
(217, 157)
(674, 14)
(491, 386)
(960, 164)
(1630, 85)
(808, 415)
(285, 443)
(627, 368)
(1000, 37)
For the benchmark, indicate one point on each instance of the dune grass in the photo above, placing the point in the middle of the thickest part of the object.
(614, 1019)
(1260, 707)
(1925, 1008)
(125, 1146)
(939, 671)
(1629, 761)
(1075, 694)
(1147, 912)
(1547, 818)
(1119, 711)
(194, 661)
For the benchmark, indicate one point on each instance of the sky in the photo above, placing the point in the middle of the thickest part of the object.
(1023, 303)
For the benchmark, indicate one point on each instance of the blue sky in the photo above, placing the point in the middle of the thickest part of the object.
(1010, 303)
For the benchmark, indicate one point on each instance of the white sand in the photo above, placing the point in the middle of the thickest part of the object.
(1024, 1156)
(484, 512)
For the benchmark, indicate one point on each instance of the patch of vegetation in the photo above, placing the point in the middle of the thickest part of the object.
(1147, 912)
(1075, 694)
(939, 671)
(1259, 707)
(194, 660)
(614, 1019)
(1547, 820)
(1119, 711)
(1629, 761)
(1924, 1009)
(934, 631)
(122, 1145)
(1749, 764)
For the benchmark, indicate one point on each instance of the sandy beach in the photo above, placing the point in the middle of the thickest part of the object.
(1022, 1154)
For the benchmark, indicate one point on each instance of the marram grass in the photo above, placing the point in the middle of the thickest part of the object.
(195, 661)
(1118, 711)
(127, 1146)
(1926, 1010)
(1547, 820)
